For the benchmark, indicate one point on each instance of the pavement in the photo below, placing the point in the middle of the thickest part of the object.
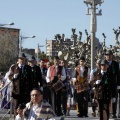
(73, 116)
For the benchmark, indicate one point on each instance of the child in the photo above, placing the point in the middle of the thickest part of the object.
(20, 112)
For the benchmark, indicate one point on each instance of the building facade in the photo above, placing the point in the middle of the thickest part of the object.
(51, 49)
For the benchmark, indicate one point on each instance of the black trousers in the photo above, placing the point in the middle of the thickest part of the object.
(114, 105)
(104, 107)
(47, 94)
(82, 99)
(64, 101)
(57, 101)
(94, 105)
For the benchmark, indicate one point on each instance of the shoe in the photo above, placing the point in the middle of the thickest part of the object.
(94, 114)
(114, 116)
(60, 114)
(79, 115)
(67, 114)
(86, 116)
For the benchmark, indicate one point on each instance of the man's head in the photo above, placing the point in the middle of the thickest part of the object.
(41, 63)
(36, 96)
(82, 61)
(108, 55)
(98, 62)
(56, 60)
(62, 62)
(104, 65)
(48, 64)
(32, 61)
(21, 58)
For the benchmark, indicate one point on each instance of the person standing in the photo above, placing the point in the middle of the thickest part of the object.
(114, 67)
(36, 74)
(105, 90)
(66, 88)
(82, 87)
(55, 74)
(44, 72)
(20, 74)
(48, 91)
(93, 77)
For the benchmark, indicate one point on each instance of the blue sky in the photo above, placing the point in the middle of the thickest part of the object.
(45, 18)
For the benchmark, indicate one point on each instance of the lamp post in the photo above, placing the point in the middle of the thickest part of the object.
(20, 42)
(11, 23)
(38, 50)
(93, 25)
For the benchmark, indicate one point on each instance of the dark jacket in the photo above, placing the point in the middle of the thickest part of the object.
(114, 68)
(44, 73)
(36, 76)
(22, 85)
(106, 89)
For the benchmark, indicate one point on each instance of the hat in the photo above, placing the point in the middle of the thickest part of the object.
(108, 52)
(103, 62)
(82, 58)
(21, 55)
(32, 58)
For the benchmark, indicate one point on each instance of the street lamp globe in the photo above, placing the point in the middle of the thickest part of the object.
(33, 36)
(11, 23)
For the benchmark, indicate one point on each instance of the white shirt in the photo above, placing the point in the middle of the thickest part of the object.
(18, 117)
(63, 75)
(19, 65)
(32, 115)
(102, 72)
(92, 73)
(81, 73)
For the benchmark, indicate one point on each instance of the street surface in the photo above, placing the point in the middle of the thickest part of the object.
(73, 116)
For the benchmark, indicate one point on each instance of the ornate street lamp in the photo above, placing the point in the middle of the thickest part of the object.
(93, 25)
(11, 23)
(21, 41)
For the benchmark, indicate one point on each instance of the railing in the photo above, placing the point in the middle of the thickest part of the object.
(7, 102)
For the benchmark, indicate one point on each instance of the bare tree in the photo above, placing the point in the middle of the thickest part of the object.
(8, 49)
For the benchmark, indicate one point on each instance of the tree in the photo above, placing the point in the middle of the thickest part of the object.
(8, 49)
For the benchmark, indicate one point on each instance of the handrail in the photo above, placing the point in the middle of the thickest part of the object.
(5, 86)
(9, 101)
(5, 95)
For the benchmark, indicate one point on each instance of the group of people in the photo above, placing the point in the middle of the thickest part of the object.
(105, 82)
(40, 92)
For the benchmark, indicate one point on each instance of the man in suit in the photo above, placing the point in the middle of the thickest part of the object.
(36, 74)
(20, 74)
(105, 90)
(114, 67)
